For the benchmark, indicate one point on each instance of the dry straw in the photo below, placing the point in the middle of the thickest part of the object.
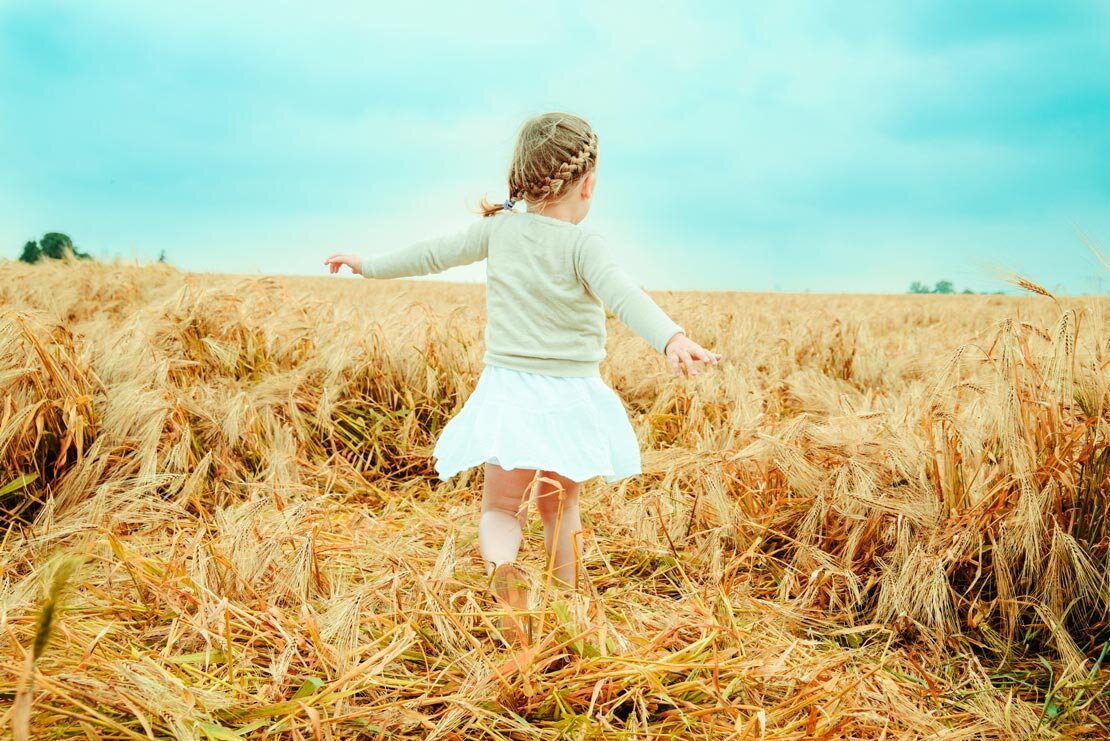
(846, 530)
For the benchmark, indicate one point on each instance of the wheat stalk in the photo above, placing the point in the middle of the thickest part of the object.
(44, 627)
(846, 531)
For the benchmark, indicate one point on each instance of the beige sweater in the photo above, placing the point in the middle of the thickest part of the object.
(546, 280)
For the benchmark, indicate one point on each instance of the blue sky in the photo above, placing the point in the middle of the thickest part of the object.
(825, 146)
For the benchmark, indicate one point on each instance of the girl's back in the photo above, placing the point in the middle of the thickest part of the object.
(541, 314)
(546, 281)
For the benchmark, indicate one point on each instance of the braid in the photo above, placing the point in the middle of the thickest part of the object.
(574, 166)
(553, 151)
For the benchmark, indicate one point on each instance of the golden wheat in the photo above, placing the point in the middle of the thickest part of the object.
(879, 517)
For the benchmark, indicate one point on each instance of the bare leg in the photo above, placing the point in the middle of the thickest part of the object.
(562, 525)
(504, 513)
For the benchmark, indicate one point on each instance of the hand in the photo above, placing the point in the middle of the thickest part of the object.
(682, 349)
(339, 259)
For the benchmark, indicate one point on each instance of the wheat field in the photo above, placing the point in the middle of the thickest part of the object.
(880, 517)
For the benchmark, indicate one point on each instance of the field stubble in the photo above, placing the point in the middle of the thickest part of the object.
(879, 517)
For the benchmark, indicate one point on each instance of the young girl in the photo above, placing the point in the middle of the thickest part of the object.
(540, 414)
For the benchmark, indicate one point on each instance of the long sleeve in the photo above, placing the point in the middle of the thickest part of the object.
(432, 255)
(621, 294)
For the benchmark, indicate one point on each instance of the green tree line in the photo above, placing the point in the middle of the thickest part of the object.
(941, 286)
(52, 246)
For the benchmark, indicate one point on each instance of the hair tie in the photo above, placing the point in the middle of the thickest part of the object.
(507, 205)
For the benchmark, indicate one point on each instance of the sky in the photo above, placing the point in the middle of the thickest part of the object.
(820, 146)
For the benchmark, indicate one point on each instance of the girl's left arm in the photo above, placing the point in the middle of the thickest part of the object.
(634, 307)
(422, 258)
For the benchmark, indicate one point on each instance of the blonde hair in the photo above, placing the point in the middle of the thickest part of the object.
(553, 150)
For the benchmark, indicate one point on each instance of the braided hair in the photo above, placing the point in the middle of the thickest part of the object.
(553, 151)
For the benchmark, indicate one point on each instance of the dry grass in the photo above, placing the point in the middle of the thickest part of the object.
(880, 517)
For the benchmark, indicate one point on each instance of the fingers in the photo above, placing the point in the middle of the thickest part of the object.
(672, 358)
(706, 356)
(680, 362)
(682, 358)
(337, 260)
(688, 362)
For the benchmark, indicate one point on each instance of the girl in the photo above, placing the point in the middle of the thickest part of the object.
(540, 415)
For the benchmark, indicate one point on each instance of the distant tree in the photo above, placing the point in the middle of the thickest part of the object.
(969, 291)
(53, 245)
(56, 244)
(31, 253)
(942, 286)
(162, 256)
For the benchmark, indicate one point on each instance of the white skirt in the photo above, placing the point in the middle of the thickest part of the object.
(574, 426)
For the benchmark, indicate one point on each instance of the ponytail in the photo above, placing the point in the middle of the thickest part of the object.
(489, 209)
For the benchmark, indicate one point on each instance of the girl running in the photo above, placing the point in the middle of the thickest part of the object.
(540, 415)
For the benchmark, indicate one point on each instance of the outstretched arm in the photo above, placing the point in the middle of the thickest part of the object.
(635, 308)
(428, 256)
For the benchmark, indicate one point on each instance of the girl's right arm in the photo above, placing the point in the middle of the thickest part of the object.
(429, 256)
